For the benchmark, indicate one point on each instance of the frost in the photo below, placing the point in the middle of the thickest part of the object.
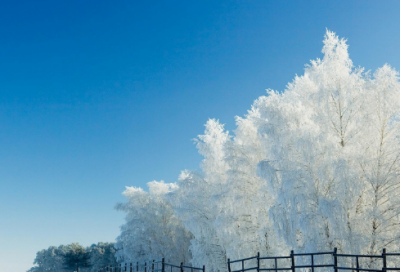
(311, 168)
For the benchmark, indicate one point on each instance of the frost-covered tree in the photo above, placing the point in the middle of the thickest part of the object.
(244, 208)
(101, 254)
(53, 258)
(50, 260)
(197, 199)
(310, 168)
(152, 230)
(76, 257)
(379, 164)
(334, 147)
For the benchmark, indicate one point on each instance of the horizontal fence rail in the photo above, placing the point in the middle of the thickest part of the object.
(317, 262)
(331, 261)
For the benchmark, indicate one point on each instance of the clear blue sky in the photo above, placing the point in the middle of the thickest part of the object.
(98, 95)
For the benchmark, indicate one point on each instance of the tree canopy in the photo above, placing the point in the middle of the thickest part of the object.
(76, 257)
(66, 257)
(310, 168)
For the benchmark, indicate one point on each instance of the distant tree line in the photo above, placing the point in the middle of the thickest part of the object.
(67, 258)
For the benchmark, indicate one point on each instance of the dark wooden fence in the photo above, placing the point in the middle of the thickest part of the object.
(301, 262)
(154, 266)
(319, 261)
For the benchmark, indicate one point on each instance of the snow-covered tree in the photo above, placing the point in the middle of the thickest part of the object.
(310, 168)
(379, 164)
(53, 258)
(101, 254)
(152, 231)
(50, 260)
(77, 257)
(197, 199)
(334, 145)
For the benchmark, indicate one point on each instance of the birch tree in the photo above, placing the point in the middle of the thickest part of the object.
(152, 231)
(310, 168)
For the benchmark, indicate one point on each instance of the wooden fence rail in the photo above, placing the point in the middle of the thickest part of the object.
(331, 261)
(154, 266)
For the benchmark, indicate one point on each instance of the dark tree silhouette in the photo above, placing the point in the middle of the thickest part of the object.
(76, 257)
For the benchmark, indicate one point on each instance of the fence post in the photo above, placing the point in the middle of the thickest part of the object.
(229, 265)
(152, 267)
(384, 259)
(312, 262)
(204, 268)
(145, 266)
(130, 267)
(163, 265)
(293, 263)
(335, 259)
(137, 266)
(181, 267)
(258, 261)
(358, 264)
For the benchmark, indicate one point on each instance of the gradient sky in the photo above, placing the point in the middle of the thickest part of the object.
(99, 95)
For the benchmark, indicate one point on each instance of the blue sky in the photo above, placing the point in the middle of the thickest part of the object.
(99, 95)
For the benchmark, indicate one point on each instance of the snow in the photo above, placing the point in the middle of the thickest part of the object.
(310, 168)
